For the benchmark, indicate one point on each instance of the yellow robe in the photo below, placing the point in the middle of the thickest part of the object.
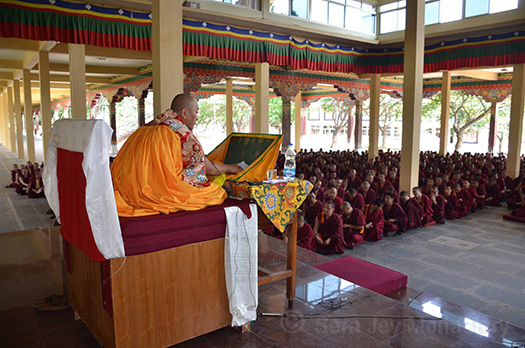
(147, 176)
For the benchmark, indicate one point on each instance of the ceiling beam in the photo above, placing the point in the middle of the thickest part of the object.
(10, 64)
(54, 85)
(97, 69)
(19, 44)
(477, 74)
(6, 76)
(65, 78)
(119, 53)
(189, 59)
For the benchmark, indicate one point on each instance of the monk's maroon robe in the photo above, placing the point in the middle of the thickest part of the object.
(369, 196)
(320, 195)
(358, 202)
(395, 212)
(337, 202)
(381, 189)
(412, 213)
(332, 228)
(356, 183)
(468, 202)
(493, 195)
(311, 211)
(425, 209)
(452, 207)
(305, 237)
(439, 209)
(356, 218)
(375, 232)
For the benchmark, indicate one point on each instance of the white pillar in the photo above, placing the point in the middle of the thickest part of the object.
(28, 116)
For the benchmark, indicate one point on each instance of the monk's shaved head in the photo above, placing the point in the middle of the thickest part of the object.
(181, 101)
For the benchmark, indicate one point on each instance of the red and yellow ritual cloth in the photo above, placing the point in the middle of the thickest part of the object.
(278, 201)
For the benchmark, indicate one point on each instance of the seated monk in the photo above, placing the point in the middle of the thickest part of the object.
(35, 189)
(328, 231)
(367, 192)
(391, 190)
(466, 198)
(14, 171)
(355, 199)
(438, 205)
(452, 205)
(162, 167)
(331, 195)
(353, 225)
(520, 210)
(422, 202)
(305, 234)
(493, 193)
(312, 208)
(353, 180)
(319, 191)
(22, 182)
(411, 211)
(481, 193)
(374, 220)
(394, 216)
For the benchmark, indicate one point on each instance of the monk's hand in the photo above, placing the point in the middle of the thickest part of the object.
(235, 168)
(327, 242)
(369, 225)
(318, 239)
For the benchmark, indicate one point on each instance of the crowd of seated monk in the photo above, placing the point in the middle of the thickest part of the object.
(355, 199)
(26, 179)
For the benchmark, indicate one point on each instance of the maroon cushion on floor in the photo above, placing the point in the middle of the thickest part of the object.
(511, 217)
(147, 234)
(368, 275)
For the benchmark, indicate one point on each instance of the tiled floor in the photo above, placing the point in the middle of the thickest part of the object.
(32, 272)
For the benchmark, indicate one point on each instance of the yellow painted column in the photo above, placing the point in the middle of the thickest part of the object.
(11, 115)
(77, 80)
(516, 120)
(262, 96)
(298, 123)
(445, 110)
(229, 106)
(412, 94)
(5, 100)
(168, 73)
(3, 118)
(28, 116)
(373, 133)
(45, 98)
(18, 117)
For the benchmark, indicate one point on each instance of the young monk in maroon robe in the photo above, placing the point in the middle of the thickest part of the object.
(13, 176)
(392, 191)
(412, 213)
(328, 231)
(312, 208)
(422, 202)
(319, 192)
(493, 193)
(382, 185)
(22, 182)
(368, 194)
(331, 195)
(438, 205)
(394, 215)
(353, 225)
(305, 234)
(481, 193)
(520, 211)
(355, 199)
(374, 220)
(464, 209)
(35, 188)
(452, 205)
(466, 198)
(353, 180)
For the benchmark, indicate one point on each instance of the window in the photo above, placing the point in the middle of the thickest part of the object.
(253, 4)
(450, 10)
(432, 12)
(316, 129)
(392, 17)
(476, 7)
(351, 14)
(365, 130)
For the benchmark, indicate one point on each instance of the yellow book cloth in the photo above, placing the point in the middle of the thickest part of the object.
(147, 176)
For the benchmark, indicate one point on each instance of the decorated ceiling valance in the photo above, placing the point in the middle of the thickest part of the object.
(54, 20)
(111, 27)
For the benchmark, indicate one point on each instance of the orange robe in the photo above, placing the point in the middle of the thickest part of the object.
(147, 176)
